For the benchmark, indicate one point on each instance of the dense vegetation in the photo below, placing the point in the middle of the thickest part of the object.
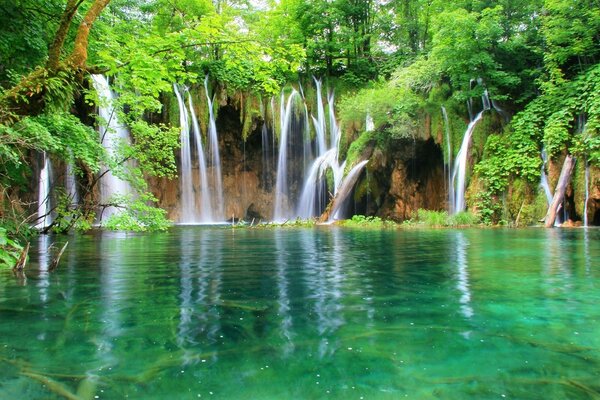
(396, 60)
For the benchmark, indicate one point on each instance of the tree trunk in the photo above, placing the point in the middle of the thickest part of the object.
(61, 34)
(79, 56)
(559, 192)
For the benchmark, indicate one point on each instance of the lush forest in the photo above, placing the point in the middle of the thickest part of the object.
(397, 63)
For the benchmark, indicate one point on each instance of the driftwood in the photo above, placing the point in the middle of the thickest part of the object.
(22, 261)
(56, 260)
(559, 192)
(52, 385)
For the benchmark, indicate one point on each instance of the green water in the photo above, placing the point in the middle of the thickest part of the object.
(306, 314)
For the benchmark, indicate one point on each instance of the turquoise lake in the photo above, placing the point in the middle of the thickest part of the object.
(316, 313)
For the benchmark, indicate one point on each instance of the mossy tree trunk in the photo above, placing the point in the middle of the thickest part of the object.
(28, 97)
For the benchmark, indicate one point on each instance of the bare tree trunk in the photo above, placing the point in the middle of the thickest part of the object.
(559, 192)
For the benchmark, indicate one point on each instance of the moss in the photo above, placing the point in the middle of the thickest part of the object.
(357, 147)
(534, 211)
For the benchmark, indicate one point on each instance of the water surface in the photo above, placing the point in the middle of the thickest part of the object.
(306, 314)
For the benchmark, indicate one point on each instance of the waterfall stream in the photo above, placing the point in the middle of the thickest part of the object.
(460, 163)
(44, 207)
(450, 190)
(460, 166)
(282, 207)
(217, 179)
(112, 135)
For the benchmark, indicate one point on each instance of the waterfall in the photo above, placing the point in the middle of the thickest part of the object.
(345, 189)
(587, 193)
(44, 208)
(215, 158)
(460, 163)
(281, 184)
(314, 188)
(544, 178)
(369, 123)
(449, 163)
(206, 208)
(320, 120)
(266, 147)
(307, 205)
(71, 184)
(460, 166)
(112, 135)
(188, 208)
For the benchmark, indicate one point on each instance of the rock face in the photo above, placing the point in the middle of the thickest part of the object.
(407, 177)
(246, 187)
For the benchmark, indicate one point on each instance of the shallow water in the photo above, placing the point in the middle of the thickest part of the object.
(305, 314)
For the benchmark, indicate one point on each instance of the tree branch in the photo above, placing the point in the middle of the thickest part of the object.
(78, 57)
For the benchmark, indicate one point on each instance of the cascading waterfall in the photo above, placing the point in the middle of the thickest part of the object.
(188, 208)
(281, 211)
(587, 193)
(369, 123)
(544, 178)
(314, 189)
(345, 189)
(460, 164)
(449, 163)
(206, 209)
(215, 158)
(44, 208)
(307, 207)
(112, 135)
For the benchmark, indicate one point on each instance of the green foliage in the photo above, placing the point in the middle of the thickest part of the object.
(138, 216)
(10, 250)
(488, 208)
(154, 147)
(361, 221)
(432, 218)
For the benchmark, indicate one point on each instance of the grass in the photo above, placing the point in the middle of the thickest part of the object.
(432, 218)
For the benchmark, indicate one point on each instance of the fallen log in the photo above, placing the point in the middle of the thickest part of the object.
(559, 192)
(22, 261)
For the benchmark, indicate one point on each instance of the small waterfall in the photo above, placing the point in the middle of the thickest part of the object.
(544, 178)
(44, 184)
(307, 207)
(218, 206)
(369, 123)
(71, 184)
(281, 185)
(206, 209)
(112, 135)
(188, 208)
(320, 120)
(587, 193)
(345, 190)
(449, 163)
(460, 166)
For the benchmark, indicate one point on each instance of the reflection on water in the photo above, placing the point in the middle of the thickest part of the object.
(312, 313)
(463, 275)
(283, 307)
